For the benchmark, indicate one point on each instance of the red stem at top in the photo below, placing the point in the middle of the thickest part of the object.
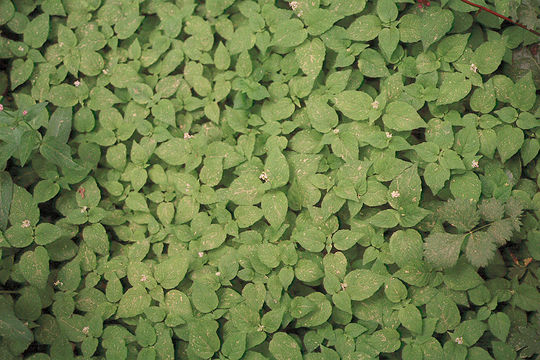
(501, 16)
(427, 3)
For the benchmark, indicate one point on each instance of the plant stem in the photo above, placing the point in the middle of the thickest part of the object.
(501, 16)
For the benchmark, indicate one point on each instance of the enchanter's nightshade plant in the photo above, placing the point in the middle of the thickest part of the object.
(261, 179)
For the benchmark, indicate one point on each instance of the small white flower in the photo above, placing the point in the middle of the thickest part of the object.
(388, 134)
(25, 223)
(459, 340)
(260, 328)
(336, 131)
(105, 71)
(84, 208)
(474, 68)
(58, 283)
(187, 136)
(201, 254)
(263, 176)
(20, 48)
(218, 273)
(143, 278)
(474, 164)
(395, 194)
(343, 286)
(293, 5)
(85, 330)
(375, 104)
(76, 83)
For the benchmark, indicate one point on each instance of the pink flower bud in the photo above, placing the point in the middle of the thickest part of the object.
(24, 112)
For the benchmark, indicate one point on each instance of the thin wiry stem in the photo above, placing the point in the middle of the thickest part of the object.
(501, 16)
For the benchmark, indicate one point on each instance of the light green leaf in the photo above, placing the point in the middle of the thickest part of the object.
(323, 117)
(310, 57)
(454, 88)
(488, 56)
(134, 301)
(95, 236)
(362, 284)
(284, 347)
(401, 116)
(354, 104)
(20, 72)
(435, 22)
(499, 325)
(467, 186)
(203, 339)
(372, 64)
(170, 272)
(274, 207)
(406, 246)
(37, 31)
(364, 28)
(63, 95)
(410, 317)
(442, 249)
(34, 267)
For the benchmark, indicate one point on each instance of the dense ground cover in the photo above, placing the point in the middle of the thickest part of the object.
(316, 179)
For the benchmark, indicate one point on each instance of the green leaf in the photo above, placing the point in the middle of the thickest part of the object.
(372, 64)
(6, 194)
(499, 325)
(274, 207)
(134, 301)
(509, 141)
(385, 219)
(488, 56)
(406, 246)
(523, 95)
(7, 10)
(322, 116)
(140, 93)
(362, 284)
(320, 314)
(23, 211)
(387, 10)
(405, 189)
(63, 95)
(36, 32)
(385, 340)
(95, 236)
(247, 215)
(276, 168)
(354, 104)
(284, 347)
(310, 57)
(410, 317)
(401, 116)
(453, 88)
(480, 248)
(435, 23)
(462, 277)
(442, 249)
(171, 271)
(443, 308)
(290, 33)
(20, 72)
(435, 176)
(203, 297)
(310, 239)
(34, 267)
(203, 339)
(46, 233)
(451, 47)
(467, 186)
(364, 28)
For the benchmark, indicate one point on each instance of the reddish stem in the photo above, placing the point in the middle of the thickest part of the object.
(501, 16)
